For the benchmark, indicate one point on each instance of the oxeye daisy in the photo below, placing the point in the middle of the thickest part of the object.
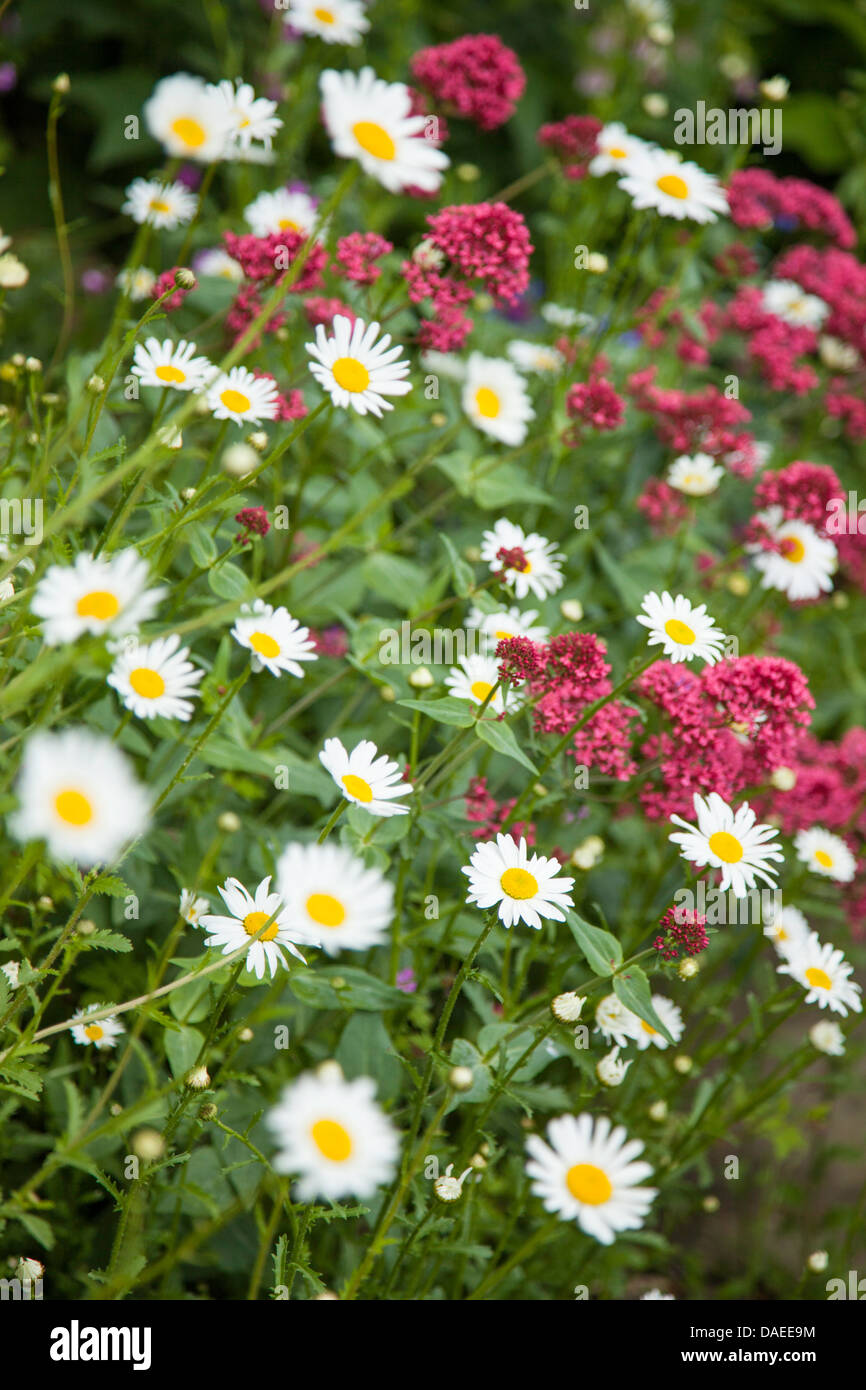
(539, 571)
(285, 210)
(675, 188)
(788, 930)
(696, 475)
(371, 120)
(616, 148)
(250, 117)
(189, 118)
(504, 624)
(170, 364)
(731, 841)
(160, 205)
(588, 1173)
(277, 641)
(192, 906)
(77, 792)
(335, 21)
(535, 357)
(370, 779)
(825, 854)
(474, 677)
(824, 974)
(827, 1037)
(94, 595)
(240, 396)
(524, 887)
(137, 283)
(645, 1035)
(790, 302)
(617, 1023)
(102, 1032)
(801, 563)
(219, 265)
(154, 679)
(355, 369)
(496, 400)
(333, 894)
(333, 1135)
(249, 913)
(683, 630)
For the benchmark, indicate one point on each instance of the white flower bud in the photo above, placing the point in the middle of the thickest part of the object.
(567, 1007)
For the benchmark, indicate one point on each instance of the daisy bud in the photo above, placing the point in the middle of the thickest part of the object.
(449, 1188)
(148, 1144)
(472, 552)
(29, 1269)
(817, 1261)
(207, 1112)
(840, 599)
(610, 1070)
(17, 359)
(421, 679)
(438, 420)
(187, 494)
(478, 1160)
(258, 440)
(711, 1204)
(238, 460)
(688, 968)
(468, 173)
(837, 355)
(826, 1036)
(50, 398)
(738, 585)
(184, 278)
(567, 1007)
(596, 263)
(326, 1297)
(96, 385)
(683, 1065)
(461, 1079)
(588, 853)
(655, 104)
(246, 1035)
(387, 693)
(32, 364)
(538, 789)
(61, 83)
(115, 1108)
(734, 67)
(198, 1079)
(775, 88)
(660, 34)
(784, 779)
(229, 823)
(201, 406)
(658, 1111)
(571, 609)
(86, 927)
(170, 437)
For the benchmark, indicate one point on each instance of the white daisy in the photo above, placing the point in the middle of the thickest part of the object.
(285, 210)
(563, 317)
(684, 631)
(154, 679)
(496, 400)
(788, 930)
(219, 265)
(474, 677)
(355, 369)
(671, 1017)
(77, 792)
(250, 117)
(675, 188)
(369, 779)
(248, 915)
(332, 1133)
(189, 118)
(330, 892)
(803, 566)
(104, 1032)
(790, 302)
(444, 364)
(335, 21)
(696, 475)
(371, 120)
(240, 396)
(729, 840)
(540, 573)
(588, 1173)
(617, 1023)
(827, 1037)
(137, 283)
(616, 149)
(824, 974)
(504, 624)
(535, 357)
(171, 364)
(526, 887)
(192, 906)
(94, 595)
(276, 639)
(161, 205)
(825, 854)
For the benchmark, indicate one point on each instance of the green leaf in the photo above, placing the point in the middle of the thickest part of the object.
(37, 1228)
(344, 987)
(110, 885)
(464, 576)
(602, 950)
(182, 1046)
(228, 581)
(202, 547)
(365, 1049)
(501, 737)
(632, 988)
(108, 941)
(444, 711)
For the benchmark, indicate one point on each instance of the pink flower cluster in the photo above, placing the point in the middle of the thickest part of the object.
(290, 407)
(319, 309)
(773, 345)
(594, 403)
(839, 279)
(490, 815)
(574, 141)
(357, 254)
(802, 490)
(164, 283)
(664, 508)
(476, 77)
(702, 421)
(264, 261)
(681, 930)
(758, 199)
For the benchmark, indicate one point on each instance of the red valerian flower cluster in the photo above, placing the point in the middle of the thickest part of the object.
(490, 815)
(757, 198)
(254, 521)
(165, 282)
(702, 421)
(290, 407)
(265, 261)
(803, 490)
(663, 506)
(476, 77)
(594, 403)
(574, 141)
(357, 254)
(682, 930)
(773, 345)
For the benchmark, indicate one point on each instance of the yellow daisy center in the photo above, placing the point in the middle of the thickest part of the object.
(169, 372)
(673, 185)
(147, 683)
(189, 131)
(793, 550)
(287, 225)
(781, 934)
(351, 374)
(332, 1140)
(94, 1032)
(73, 807)
(502, 635)
(616, 153)
(481, 689)
(824, 859)
(374, 139)
(518, 883)
(726, 847)
(647, 1029)
(818, 979)
(324, 16)
(326, 910)
(235, 401)
(589, 1184)
(264, 644)
(159, 205)
(254, 921)
(357, 787)
(99, 603)
(487, 403)
(679, 632)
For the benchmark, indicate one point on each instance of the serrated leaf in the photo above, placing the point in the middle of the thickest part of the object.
(632, 988)
(602, 950)
(501, 738)
(110, 885)
(107, 940)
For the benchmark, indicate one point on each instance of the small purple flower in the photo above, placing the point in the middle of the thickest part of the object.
(406, 980)
(95, 281)
(8, 77)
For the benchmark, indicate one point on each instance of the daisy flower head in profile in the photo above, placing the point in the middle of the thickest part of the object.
(335, 21)
(251, 118)
(170, 364)
(95, 596)
(537, 567)
(496, 399)
(617, 1023)
(789, 301)
(161, 205)
(370, 779)
(189, 118)
(673, 187)
(474, 678)
(102, 1032)
(825, 975)
(523, 887)
(787, 929)
(589, 1172)
(647, 1036)
(357, 370)
(731, 841)
(155, 679)
(684, 630)
(825, 854)
(332, 893)
(333, 1135)
(285, 210)
(192, 906)
(214, 263)
(371, 120)
(827, 1037)
(240, 396)
(697, 475)
(249, 914)
(504, 624)
(616, 148)
(77, 791)
(800, 564)
(276, 640)
(535, 357)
